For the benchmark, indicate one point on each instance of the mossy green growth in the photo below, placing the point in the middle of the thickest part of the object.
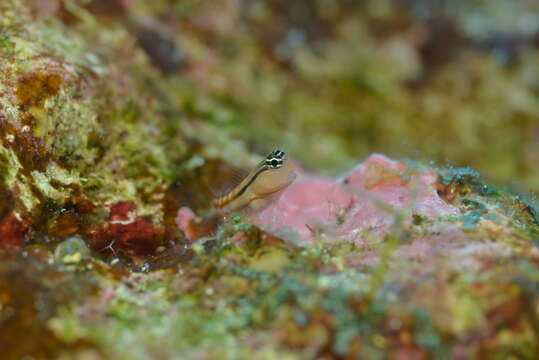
(6, 45)
(208, 305)
(457, 175)
(475, 211)
(69, 111)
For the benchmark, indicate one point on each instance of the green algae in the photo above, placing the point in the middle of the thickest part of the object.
(459, 175)
(272, 299)
(207, 305)
(66, 93)
(475, 211)
(178, 327)
(6, 45)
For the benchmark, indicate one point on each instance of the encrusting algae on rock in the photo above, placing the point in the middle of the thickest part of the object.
(70, 133)
(366, 201)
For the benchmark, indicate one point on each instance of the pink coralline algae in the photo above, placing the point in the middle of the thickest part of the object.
(184, 219)
(364, 202)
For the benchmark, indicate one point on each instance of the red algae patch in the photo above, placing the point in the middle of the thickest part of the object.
(12, 233)
(126, 232)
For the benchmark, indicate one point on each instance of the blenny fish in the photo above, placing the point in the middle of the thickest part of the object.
(261, 186)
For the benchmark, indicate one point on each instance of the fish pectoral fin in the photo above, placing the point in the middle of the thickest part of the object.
(230, 178)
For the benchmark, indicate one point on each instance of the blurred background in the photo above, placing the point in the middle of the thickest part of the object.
(444, 82)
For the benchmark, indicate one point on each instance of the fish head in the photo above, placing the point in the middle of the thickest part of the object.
(280, 172)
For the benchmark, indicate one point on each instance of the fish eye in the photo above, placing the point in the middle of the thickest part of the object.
(274, 163)
(275, 159)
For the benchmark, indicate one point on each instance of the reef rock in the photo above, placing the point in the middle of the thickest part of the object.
(367, 200)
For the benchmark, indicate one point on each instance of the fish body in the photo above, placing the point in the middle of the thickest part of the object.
(261, 186)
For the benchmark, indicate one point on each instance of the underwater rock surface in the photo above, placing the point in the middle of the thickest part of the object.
(364, 202)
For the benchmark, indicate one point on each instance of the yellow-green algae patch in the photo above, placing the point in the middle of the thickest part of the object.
(14, 180)
(64, 87)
